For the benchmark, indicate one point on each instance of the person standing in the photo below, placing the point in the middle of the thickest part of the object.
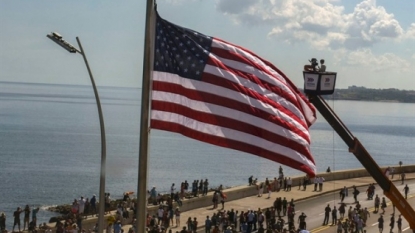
(260, 189)
(269, 190)
(383, 205)
(327, 211)
(334, 216)
(377, 204)
(320, 184)
(342, 194)
(406, 191)
(380, 223)
(205, 187)
(315, 183)
(392, 223)
(285, 184)
(194, 225)
(289, 184)
(355, 193)
(172, 191)
(403, 177)
(399, 224)
(284, 204)
(81, 204)
(177, 216)
(34, 215)
(250, 180)
(305, 182)
(302, 224)
(26, 218)
(2, 222)
(93, 204)
(16, 216)
(359, 225)
(208, 224)
(153, 195)
(340, 226)
(117, 227)
(365, 215)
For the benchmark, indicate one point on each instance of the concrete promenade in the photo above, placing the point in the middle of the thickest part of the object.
(242, 198)
(254, 202)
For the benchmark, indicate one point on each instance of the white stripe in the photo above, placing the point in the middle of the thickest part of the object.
(231, 134)
(376, 223)
(405, 229)
(218, 110)
(275, 79)
(224, 92)
(255, 87)
(279, 79)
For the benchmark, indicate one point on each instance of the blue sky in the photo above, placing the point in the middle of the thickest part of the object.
(368, 43)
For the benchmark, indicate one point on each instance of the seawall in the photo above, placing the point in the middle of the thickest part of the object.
(243, 191)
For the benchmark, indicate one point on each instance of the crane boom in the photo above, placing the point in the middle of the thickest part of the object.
(355, 147)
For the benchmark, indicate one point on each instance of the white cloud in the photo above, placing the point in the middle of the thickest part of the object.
(234, 6)
(388, 61)
(410, 32)
(318, 22)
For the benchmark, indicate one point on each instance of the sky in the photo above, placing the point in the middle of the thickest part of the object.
(368, 43)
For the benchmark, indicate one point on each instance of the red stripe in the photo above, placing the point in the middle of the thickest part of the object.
(239, 58)
(219, 81)
(229, 143)
(230, 123)
(229, 103)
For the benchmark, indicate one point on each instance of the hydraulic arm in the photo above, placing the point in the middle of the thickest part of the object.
(389, 189)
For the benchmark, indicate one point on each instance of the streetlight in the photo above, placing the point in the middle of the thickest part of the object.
(57, 38)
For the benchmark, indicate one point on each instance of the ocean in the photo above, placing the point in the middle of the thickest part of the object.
(50, 145)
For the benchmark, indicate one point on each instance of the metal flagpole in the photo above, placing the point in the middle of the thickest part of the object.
(144, 128)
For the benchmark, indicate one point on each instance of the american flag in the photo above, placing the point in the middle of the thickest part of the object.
(219, 93)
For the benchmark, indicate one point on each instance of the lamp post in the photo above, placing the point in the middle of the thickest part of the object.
(57, 38)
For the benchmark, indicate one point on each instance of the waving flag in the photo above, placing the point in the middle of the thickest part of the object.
(216, 92)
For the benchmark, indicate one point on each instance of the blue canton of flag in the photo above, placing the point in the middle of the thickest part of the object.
(180, 50)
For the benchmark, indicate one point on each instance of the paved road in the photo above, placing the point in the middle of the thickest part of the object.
(372, 222)
(310, 202)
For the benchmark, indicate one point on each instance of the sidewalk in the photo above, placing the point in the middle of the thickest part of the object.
(255, 202)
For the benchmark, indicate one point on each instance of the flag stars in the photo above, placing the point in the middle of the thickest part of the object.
(180, 51)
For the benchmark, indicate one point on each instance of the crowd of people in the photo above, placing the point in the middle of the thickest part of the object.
(280, 217)
(29, 219)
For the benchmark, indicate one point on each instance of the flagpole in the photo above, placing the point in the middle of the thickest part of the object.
(141, 205)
